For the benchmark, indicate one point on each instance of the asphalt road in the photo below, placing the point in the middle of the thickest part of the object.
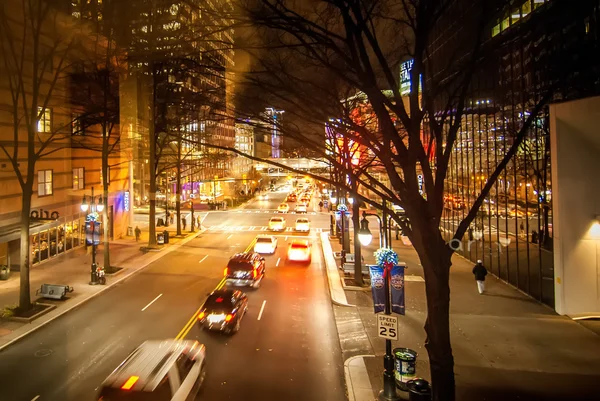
(290, 353)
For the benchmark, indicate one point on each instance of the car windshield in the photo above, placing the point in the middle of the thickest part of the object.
(264, 240)
(239, 265)
(219, 301)
(302, 221)
(276, 219)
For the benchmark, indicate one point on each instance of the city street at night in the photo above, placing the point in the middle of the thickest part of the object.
(287, 347)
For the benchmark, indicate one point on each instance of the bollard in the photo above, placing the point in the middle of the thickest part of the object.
(419, 390)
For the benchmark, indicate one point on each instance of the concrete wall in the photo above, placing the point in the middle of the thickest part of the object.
(575, 147)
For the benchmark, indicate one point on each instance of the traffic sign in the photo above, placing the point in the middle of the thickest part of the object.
(387, 326)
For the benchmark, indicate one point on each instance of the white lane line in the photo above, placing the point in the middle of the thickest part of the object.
(230, 235)
(278, 260)
(262, 308)
(202, 260)
(286, 239)
(35, 398)
(151, 302)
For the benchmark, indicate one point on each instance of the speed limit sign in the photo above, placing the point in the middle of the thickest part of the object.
(387, 326)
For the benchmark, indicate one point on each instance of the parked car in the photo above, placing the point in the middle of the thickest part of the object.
(265, 244)
(277, 224)
(245, 269)
(223, 311)
(145, 373)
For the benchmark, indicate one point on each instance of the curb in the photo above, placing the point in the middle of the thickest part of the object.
(331, 266)
(363, 393)
(105, 288)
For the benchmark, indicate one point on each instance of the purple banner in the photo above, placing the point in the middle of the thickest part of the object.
(397, 289)
(93, 236)
(376, 273)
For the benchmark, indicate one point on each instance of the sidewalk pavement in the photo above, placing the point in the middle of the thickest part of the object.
(506, 345)
(74, 269)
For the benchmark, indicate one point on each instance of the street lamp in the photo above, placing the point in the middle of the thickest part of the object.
(94, 208)
(389, 384)
(364, 234)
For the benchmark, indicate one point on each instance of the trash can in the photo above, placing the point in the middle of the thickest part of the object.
(166, 234)
(419, 390)
(405, 366)
(4, 272)
(160, 238)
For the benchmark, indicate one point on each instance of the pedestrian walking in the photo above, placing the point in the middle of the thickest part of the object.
(522, 229)
(138, 233)
(172, 218)
(470, 233)
(534, 237)
(183, 222)
(199, 223)
(479, 271)
(397, 231)
(320, 205)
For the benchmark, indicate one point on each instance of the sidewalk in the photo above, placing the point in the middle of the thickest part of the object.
(74, 269)
(506, 345)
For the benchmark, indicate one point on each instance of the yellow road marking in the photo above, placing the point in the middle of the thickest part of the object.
(188, 326)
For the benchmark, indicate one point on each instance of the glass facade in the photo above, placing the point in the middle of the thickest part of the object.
(57, 238)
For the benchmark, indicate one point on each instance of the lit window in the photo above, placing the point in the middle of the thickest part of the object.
(78, 178)
(496, 30)
(77, 125)
(44, 182)
(44, 123)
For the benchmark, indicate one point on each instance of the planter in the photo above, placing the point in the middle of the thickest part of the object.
(4, 272)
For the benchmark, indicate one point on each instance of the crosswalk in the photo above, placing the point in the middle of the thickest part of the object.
(272, 211)
(226, 228)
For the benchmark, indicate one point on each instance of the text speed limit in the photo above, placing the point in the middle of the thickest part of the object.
(387, 326)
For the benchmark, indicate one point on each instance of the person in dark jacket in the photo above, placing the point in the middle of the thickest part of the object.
(479, 271)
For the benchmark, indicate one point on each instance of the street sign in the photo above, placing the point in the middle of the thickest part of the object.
(387, 326)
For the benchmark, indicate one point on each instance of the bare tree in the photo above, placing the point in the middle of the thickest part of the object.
(37, 45)
(310, 56)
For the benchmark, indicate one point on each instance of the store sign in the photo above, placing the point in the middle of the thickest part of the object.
(126, 201)
(420, 181)
(44, 215)
(405, 77)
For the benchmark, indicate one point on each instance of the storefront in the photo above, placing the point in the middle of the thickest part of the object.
(57, 237)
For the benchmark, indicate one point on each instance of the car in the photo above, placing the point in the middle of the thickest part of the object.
(276, 223)
(283, 208)
(245, 269)
(300, 208)
(305, 199)
(265, 244)
(299, 251)
(223, 311)
(292, 197)
(263, 197)
(146, 374)
(302, 224)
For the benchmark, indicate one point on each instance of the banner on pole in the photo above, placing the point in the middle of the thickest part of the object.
(397, 289)
(377, 289)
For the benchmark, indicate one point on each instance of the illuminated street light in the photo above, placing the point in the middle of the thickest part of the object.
(94, 208)
(364, 234)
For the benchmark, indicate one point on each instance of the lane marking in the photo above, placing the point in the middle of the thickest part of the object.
(151, 302)
(278, 260)
(262, 308)
(35, 398)
(203, 259)
(286, 238)
(230, 235)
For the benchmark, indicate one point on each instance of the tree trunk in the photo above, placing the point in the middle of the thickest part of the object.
(358, 278)
(152, 161)
(178, 189)
(25, 288)
(436, 261)
(105, 184)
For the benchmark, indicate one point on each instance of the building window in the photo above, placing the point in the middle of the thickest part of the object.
(44, 182)
(77, 125)
(44, 123)
(78, 178)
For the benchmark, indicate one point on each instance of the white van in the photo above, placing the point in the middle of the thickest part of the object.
(167, 370)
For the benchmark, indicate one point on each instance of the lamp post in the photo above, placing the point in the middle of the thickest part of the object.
(94, 208)
(364, 236)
